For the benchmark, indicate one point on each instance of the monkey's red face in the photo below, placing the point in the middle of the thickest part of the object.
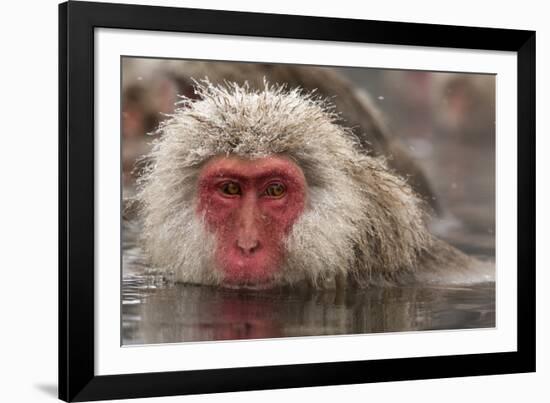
(250, 206)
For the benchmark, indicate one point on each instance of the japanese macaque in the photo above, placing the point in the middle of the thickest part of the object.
(263, 188)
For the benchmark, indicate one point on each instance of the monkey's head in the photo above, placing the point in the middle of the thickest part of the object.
(260, 188)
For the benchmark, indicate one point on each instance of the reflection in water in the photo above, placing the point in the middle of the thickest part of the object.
(170, 313)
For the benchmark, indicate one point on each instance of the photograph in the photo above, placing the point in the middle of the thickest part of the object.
(271, 200)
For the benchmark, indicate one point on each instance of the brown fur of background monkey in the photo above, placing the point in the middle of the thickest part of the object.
(362, 223)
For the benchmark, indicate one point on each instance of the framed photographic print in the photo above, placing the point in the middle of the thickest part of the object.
(257, 201)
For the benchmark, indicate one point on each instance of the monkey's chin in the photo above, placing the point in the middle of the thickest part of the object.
(250, 286)
(248, 276)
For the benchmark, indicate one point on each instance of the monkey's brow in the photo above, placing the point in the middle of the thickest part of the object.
(238, 175)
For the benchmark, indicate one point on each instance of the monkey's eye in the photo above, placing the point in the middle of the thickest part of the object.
(275, 190)
(231, 188)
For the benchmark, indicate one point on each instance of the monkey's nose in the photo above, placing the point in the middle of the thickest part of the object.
(248, 246)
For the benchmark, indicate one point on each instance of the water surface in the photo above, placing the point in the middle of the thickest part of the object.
(156, 311)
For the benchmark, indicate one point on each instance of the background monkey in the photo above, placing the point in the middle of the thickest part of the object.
(260, 188)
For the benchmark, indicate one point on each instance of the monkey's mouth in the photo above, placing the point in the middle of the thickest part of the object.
(252, 280)
(250, 273)
(254, 271)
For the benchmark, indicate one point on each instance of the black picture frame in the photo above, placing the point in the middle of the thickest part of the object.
(77, 379)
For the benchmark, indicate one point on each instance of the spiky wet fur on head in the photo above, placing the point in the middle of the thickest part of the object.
(360, 221)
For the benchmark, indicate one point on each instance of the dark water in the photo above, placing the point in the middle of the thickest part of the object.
(158, 312)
